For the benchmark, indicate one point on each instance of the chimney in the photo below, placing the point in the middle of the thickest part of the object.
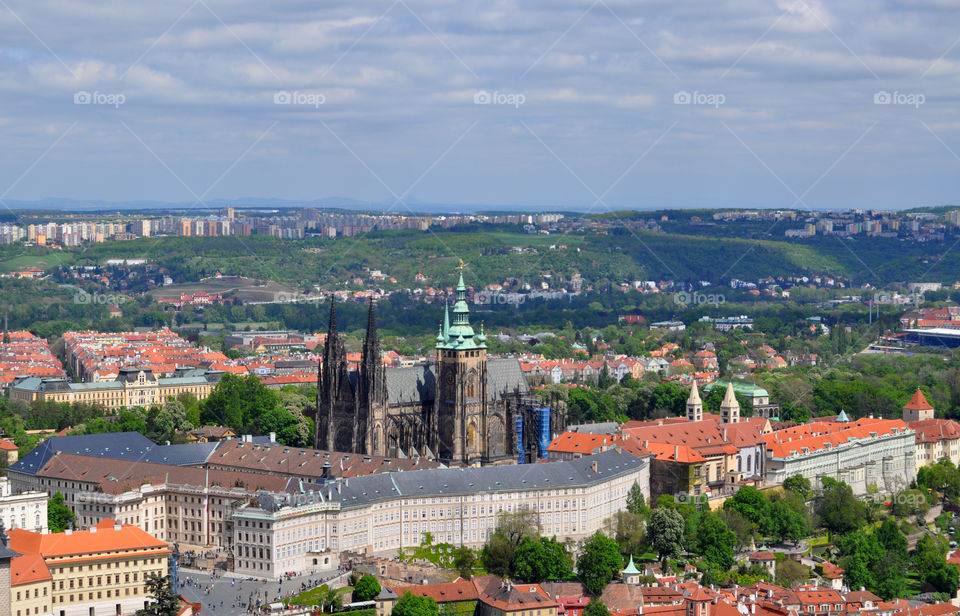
(725, 434)
(68, 531)
(676, 452)
(273, 437)
(117, 526)
(93, 529)
(646, 444)
(593, 465)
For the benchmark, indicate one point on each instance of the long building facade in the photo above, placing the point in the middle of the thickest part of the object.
(132, 387)
(381, 514)
(463, 408)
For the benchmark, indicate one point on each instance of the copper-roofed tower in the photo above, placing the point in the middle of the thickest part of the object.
(918, 408)
(730, 408)
(694, 405)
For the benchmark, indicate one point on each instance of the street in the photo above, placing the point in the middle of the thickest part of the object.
(229, 593)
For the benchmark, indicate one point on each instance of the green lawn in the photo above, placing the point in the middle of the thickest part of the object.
(313, 596)
(46, 261)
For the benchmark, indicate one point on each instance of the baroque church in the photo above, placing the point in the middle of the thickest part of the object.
(462, 408)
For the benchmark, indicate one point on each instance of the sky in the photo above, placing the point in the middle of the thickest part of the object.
(597, 105)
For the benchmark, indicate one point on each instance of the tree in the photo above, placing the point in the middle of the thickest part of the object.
(797, 484)
(539, 559)
(596, 607)
(517, 525)
(666, 534)
(164, 599)
(743, 528)
(497, 555)
(944, 578)
(636, 504)
(715, 541)
(893, 541)
(598, 563)
(785, 523)
(415, 605)
(628, 530)
(366, 589)
(839, 510)
(790, 572)
(751, 504)
(59, 516)
(464, 560)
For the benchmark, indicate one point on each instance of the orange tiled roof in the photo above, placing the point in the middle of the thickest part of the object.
(27, 569)
(918, 402)
(578, 442)
(106, 538)
(457, 590)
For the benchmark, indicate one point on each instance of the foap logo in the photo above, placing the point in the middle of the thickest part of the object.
(688, 298)
(99, 299)
(484, 97)
(909, 99)
(715, 99)
(689, 498)
(489, 299)
(290, 297)
(83, 97)
(94, 498)
(296, 97)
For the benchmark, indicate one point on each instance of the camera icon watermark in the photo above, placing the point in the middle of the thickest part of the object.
(483, 97)
(692, 298)
(910, 99)
(296, 97)
(100, 299)
(689, 498)
(83, 97)
(709, 99)
(489, 299)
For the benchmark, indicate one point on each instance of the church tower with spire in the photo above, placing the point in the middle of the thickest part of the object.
(730, 408)
(462, 431)
(372, 411)
(337, 409)
(694, 405)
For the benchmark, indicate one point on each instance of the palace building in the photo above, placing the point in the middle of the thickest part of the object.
(463, 408)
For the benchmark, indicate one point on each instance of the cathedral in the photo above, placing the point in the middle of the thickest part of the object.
(462, 408)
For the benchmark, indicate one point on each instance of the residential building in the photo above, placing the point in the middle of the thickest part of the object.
(101, 571)
(866, 453)
(378, 514)
(132, 387)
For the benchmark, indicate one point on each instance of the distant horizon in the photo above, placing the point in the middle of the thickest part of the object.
(414, 208)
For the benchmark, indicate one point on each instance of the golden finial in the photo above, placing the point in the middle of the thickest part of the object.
(460, 267)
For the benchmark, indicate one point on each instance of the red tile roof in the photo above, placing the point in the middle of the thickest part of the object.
(457, 590)
(27, 569)
(918, 402)
(104, 537)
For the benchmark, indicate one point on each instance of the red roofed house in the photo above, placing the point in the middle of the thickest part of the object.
(917, 408)
(832, 573)
(30, 586)
(765, 559)
(936, 438)
(503, 598)
(571, 445)
(127, 552)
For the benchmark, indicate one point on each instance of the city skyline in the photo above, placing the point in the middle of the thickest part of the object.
(589, 106)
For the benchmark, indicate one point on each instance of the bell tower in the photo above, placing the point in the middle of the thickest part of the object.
(460, 418)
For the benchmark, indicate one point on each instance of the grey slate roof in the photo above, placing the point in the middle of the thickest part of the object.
(360, 491)
(131, 446)
(123, 445)
(418, 383)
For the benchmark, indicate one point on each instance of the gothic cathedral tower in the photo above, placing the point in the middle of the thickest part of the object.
(336, 426)
(459, 427)
(372, 413)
